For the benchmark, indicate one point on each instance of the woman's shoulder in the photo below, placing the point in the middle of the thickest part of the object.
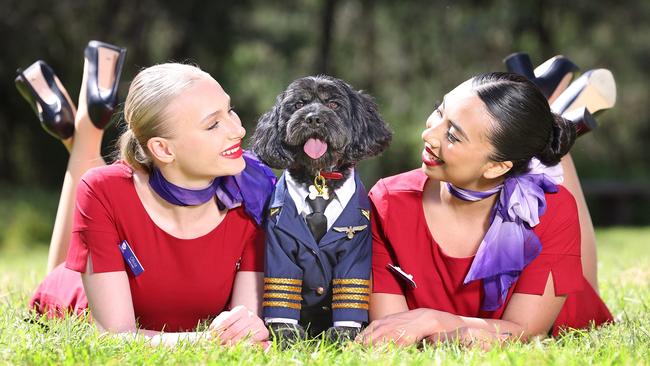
(560, 204)
(559, 227)
(411, 181)
(108, 174)
(401, 193)
(239, 216)
(111, 178)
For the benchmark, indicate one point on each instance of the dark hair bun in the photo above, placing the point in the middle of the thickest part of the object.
(563, 137)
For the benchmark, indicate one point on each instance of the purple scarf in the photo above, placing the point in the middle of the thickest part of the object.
(510, 243)
(252, 188)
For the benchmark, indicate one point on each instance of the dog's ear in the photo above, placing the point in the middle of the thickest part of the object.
(370, 133)
(266, 142)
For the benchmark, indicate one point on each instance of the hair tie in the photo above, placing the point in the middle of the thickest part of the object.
(555, 137)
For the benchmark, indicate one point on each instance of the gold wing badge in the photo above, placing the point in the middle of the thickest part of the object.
(350, 230)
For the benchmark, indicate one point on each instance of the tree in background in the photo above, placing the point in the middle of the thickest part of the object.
(406, 54)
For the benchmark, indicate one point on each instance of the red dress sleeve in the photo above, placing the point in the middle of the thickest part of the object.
(94, 231)
(382, 254)
(253, 255)
(559, 233)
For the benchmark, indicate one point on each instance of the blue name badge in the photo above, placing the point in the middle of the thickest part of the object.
(130, 258)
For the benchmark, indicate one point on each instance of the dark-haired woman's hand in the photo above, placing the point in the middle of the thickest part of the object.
(403, 328)
(470, 337)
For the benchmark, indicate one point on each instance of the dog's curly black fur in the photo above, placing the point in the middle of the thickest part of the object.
(325, 108)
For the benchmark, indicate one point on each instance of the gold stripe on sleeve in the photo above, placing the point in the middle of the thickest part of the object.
(351, 290)
(283, 281)
(282, 304)
(351, 281)
(349, 305)
(282, 288)
(351, 297)
(282, 295)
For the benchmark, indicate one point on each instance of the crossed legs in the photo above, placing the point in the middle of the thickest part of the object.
(85, 153)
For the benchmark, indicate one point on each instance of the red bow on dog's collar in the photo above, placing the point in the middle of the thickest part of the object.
(331, 175)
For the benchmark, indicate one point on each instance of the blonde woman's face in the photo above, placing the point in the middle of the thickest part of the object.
(206, 132)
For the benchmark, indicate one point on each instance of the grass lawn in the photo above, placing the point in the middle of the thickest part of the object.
(624, 282)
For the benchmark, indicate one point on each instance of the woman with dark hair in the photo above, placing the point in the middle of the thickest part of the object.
(482, 242)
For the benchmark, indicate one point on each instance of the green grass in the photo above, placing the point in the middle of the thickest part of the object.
(625, 286)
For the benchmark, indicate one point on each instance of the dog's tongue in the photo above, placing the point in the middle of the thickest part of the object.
(315, 148)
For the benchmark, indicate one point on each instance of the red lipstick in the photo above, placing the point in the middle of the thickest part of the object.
(430, 159)
(233, 152)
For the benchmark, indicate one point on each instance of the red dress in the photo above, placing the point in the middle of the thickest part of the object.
(184, 280)
(401, 237)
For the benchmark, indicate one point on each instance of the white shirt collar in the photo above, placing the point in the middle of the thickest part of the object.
(299, 193)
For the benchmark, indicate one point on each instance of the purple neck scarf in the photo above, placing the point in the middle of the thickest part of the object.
(510, 243)
(252, 188)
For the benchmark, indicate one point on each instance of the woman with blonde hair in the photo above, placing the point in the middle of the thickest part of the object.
(166, 237)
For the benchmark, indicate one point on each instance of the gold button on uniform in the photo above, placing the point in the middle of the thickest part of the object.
(320, 290)
(325, 308)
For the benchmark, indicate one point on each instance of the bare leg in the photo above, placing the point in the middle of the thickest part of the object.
(588, 237)
(572, 183)
(85, 153)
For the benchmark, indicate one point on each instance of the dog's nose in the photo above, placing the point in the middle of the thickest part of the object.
(313, 119)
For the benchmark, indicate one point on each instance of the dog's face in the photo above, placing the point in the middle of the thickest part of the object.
(319, 123)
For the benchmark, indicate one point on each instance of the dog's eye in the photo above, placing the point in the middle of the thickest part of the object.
(298, 105)
(333, 105)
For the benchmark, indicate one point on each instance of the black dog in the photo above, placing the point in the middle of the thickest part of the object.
(326, 109)
(318, 260)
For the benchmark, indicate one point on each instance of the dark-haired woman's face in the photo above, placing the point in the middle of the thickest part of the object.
(456, 147)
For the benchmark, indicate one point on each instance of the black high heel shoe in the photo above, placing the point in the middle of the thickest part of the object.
(101, 88)
(519, 63)
(554, 74)
(45, 94)
(582, 119)
(595, 90)
(551, 76)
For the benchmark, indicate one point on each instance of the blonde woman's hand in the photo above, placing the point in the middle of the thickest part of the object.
(238, 323)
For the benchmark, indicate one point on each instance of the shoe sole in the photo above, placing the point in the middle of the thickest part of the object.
(543, 68)
(34, 76)
(561, 87)
(596, 93)
(104, 65)
(39, 92)
(570, 69)
(106, 70)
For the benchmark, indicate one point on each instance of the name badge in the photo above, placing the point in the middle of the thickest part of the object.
(130, 258)
(403, 275)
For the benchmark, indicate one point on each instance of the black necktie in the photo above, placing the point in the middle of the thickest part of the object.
(316, 221)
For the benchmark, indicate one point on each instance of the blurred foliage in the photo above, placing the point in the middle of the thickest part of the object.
(26, 217)
(406, 54)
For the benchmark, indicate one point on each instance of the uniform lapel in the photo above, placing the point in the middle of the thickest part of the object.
(289, 221)
(351, 215)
